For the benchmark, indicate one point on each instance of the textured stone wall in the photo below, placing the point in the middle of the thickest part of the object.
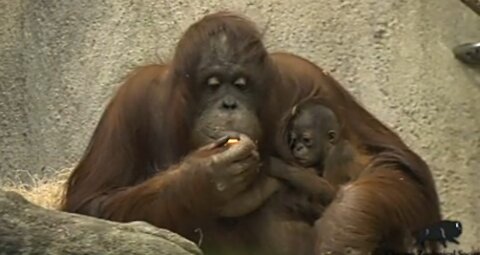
(60, 62)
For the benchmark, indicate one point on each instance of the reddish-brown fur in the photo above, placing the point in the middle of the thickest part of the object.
(396, 192)
(131, 169)
(138, 164)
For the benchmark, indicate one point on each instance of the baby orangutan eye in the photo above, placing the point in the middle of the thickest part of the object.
(307, 141)
(240, 82)
(291, 139)
(213, 81)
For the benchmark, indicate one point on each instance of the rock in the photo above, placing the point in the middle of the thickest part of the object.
(26, 228)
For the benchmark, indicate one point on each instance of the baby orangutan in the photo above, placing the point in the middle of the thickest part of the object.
(312, 140)
(316, 149)
(316, 140)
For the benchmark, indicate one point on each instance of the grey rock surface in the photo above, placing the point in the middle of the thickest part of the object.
(60, 61)
(29, 229)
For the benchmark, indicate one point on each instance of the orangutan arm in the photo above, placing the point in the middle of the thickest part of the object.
(306, 180)
(378, 209)
(252, 198)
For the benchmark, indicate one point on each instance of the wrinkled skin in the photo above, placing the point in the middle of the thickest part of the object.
(312, 135)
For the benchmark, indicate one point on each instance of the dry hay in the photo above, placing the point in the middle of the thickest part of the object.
(45, 192)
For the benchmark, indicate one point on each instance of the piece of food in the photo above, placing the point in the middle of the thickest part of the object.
(232, 141)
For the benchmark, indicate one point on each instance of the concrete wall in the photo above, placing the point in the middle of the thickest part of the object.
(60, 61)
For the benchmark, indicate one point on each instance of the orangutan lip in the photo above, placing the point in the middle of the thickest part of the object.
(301, 160)
(217, 133)
(212, 137)
(213, 133)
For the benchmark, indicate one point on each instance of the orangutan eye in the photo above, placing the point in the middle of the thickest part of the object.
(240, 82)
(307, 141)
(213, 81)
(291, 139)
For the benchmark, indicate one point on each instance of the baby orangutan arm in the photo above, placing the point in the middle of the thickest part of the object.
(304, 179)
(252, 198)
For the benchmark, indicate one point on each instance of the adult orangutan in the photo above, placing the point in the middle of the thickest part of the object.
(157, 153)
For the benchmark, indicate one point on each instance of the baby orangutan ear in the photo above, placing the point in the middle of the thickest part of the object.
(332, 136)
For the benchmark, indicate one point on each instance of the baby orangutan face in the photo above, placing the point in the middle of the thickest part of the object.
(313, 133)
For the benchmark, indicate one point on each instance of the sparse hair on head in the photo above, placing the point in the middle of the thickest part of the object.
(208, 36)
